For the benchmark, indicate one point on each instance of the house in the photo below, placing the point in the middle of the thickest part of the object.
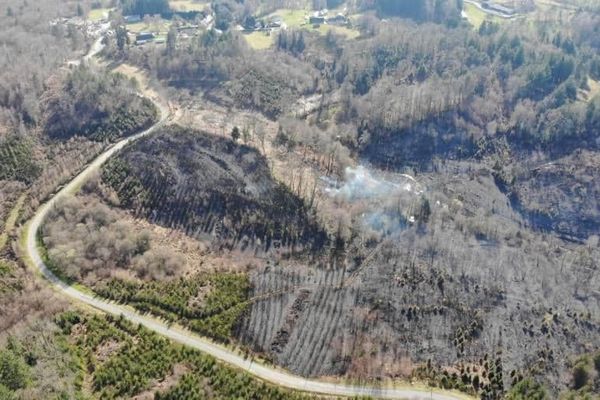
(339, 19)
(187, 28)
(77, 22)
(503, 9)
(316, 20)
(207, 21)
(144, 37)
(132, 19)
(274, 25)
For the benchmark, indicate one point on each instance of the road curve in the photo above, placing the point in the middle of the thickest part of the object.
(267, 373)
(492, 12)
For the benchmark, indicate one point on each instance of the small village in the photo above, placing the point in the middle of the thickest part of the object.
(323, 17)
(142, 30)
(300, 199)
(153, 29)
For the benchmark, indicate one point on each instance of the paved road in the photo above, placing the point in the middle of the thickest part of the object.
(266, 373)
(492, 12)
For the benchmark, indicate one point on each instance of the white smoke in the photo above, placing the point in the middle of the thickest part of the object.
(383, 201)
(361, 184)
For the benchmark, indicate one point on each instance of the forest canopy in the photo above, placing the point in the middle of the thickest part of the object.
(420, 10)
(403, 189)
(97, 105)
(145, 7)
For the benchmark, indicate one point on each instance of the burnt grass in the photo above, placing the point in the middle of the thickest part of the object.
(476, 298)
(475, 289)
(212, 187)
(562, 196)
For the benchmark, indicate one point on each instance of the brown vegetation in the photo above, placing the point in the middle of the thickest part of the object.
(478, 271)
(87, 241)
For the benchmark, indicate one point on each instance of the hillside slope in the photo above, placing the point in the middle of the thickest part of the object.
(208, 185)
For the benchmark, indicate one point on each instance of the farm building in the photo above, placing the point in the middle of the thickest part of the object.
(132, 19)
(489, 5)
(144, 37)
(339, 19)
(274, 25)
(316, 20)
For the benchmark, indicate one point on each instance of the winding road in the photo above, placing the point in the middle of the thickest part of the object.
(490, 11)
(264, 372)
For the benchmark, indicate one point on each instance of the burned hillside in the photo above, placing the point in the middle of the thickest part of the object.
(209, 186)
(474, 283)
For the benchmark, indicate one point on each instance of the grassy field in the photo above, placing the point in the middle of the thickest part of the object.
(295, 18)
(260, 40)
(544, 9)
(162, 27)
(98, 13)
(292, 18)
(475, 16)
(188, 5)
(340, 30)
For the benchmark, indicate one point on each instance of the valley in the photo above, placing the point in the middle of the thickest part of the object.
(270, 205)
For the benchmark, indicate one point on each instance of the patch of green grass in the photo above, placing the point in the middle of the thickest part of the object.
(292, 18)
(475, 16)
(296, 18)
(136, 27)
(98, 14)
(162, 27)
(188, 5)
(260, 40)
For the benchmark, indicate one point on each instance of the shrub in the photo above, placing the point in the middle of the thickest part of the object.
(14, 373)
(527, 390)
